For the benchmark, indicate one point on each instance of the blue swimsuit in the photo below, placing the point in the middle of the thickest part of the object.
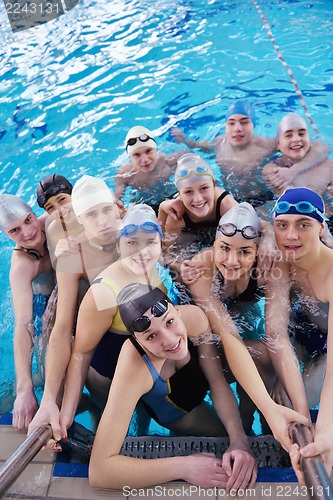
(170, 400)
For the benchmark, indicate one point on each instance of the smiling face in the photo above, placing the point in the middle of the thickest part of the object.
(166, 336)
(296, 235)
(144, 158)
(199, 198)
(26, 231)
(294, 143)
(59, 206)
(141, 251)
(234, 257)
(99, 222)
(239, 130)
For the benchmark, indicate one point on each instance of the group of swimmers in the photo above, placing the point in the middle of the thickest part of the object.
(151, 305)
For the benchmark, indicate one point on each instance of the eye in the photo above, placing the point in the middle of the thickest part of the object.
(151, 336)
(169, 321)
(224, 248)
(28, 219)
(13, 231)
(245, 252)
(63, 199)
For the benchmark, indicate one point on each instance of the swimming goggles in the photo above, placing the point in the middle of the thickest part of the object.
(142, 323)
(147, 227)
(51, 191)
(302, 207)
(248, 232)
(184, 173)
(142, 138)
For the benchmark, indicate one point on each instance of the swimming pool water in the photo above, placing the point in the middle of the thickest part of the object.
(70, 89)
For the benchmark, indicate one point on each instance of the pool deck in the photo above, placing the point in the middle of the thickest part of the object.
(44, 478)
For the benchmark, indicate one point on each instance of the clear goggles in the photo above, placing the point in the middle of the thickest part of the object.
(142, 138)
(302, 207)
(142, 323)
(147, 227)
(248, 232)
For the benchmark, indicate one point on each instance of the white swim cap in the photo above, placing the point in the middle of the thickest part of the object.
(137, 137)
(191, 168)
(139, 217)
(240, 221)
(88, 192)
(289, 122)
(11, 208)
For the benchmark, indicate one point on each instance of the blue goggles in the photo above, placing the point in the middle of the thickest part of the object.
(147, 227)
(302, 207)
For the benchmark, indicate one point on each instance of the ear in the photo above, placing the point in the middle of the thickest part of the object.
(322, 228)
(78, 218)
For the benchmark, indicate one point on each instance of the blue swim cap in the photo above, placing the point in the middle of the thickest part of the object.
(241, 108)
(303, 201)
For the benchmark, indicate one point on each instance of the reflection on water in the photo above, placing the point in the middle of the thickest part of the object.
(71, 89)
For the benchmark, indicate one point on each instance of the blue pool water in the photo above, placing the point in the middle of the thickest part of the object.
(70, 89)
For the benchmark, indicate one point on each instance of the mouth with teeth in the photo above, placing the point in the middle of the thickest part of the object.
(175, 348)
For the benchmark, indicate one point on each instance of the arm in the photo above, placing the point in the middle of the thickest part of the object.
(282, 177)
(238, 460)
(109, 469)
(121, 181)
(58, 352)
(180, 137)
(92, 324)
(242, 364)
(21, 276)
(282, 354)
(170, 208)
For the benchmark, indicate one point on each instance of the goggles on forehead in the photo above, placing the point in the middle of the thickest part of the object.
(184, 173)
(143, 138)
(147, 227)
(248, 232)
(302, 207)
(52, 191)
(142, 323)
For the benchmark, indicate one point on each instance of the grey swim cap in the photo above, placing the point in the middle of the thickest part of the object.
(88, 192)
(288, 122)
(191, 168)
(139, 217)
(11, 208)
(240, 221)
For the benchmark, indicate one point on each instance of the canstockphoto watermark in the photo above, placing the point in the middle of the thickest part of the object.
(26, 14)
(187, 490)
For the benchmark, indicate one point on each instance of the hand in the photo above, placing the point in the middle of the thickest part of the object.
(174, 208)
(279, 420)
(25, 407)
(204, 469)
(66, 421)
(191, 272)
(278, 178)
(241, 468)
(268, 253)
(66, 246)
(48, 413)
(323, 446)
(178, 135)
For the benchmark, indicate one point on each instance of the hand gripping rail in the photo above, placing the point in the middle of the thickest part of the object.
(15, 464)
(315, 475)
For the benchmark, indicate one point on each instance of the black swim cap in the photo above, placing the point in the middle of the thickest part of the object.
(135, 299)
(50, 186)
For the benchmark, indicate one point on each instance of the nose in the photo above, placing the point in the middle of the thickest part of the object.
(102, 220)
(291, 233)
(168, 339)
(232, 258)
(28, 231)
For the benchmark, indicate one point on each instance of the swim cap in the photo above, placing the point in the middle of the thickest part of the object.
(12, 208)
(140, 216)
(240, 221)
(307, 203)
(289, 122)
(137, 137)
(51, 186)
(135, 299)
(191, 168)
(241, 108)
(88, 192)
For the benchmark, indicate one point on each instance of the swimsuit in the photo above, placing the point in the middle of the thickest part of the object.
(245, 309)
(305, 332)
(170, 400)
(107, 351)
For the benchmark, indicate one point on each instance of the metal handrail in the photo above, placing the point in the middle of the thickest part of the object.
(18, 461)
(315, 475)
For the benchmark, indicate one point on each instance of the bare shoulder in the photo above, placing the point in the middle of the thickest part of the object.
(127, 168)
(194, 319)
(205, 257)
(23, 267)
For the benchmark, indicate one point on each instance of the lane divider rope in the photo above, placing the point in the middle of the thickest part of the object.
(289, 71)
